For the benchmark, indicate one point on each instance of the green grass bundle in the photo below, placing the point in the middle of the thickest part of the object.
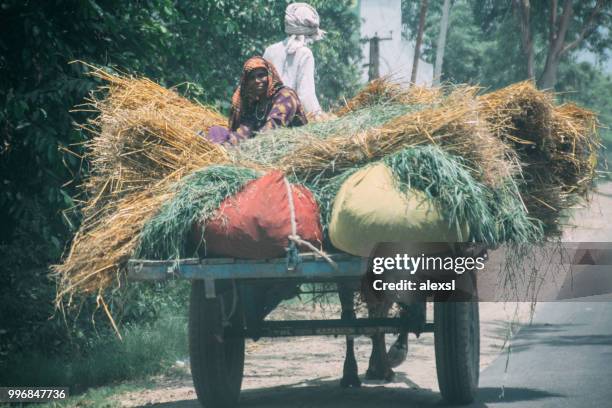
(325, 191)
(268, 148)
(198, 196)
(494, 215)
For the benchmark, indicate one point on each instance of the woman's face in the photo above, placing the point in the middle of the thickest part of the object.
(257, 82)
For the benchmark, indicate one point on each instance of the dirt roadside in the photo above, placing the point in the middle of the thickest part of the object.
(305, 371)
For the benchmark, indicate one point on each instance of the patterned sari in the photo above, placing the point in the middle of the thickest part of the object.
(280, 107)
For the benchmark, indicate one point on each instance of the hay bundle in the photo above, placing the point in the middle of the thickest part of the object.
(454, 124)
(382, 90)
(144, 141)
(521, 114)
(144, 133)
(557, 147)
(565, 177)
(574, 133)
(103, 244)
(130, 93)
(137, 148)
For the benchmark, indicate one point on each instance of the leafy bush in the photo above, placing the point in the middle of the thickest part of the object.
(147, 348)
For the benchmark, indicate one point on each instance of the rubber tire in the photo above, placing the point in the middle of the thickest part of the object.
(217, 363)
(457, 347)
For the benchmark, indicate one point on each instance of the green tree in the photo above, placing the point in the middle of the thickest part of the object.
(486, 47)
(569, 26)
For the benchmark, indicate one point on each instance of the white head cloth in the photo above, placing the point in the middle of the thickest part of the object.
(302, 26)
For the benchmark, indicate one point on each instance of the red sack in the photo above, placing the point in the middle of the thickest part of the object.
(256, 222)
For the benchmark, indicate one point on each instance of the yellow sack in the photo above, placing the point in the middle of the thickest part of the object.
(369, 209)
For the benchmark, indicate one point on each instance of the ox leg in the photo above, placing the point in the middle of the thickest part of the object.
(415, 315)
(350, 377)
(398, 350)
(379, 368)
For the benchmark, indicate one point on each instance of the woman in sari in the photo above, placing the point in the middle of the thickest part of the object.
(260, 103)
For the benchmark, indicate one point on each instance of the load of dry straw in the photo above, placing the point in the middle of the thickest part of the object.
(557, 147)
(453, 122)
(104, 243)
(144, 140)
(382, 90)
(143, 134)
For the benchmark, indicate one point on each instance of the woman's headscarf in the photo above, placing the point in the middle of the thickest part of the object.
(240, 99)
(302, 26)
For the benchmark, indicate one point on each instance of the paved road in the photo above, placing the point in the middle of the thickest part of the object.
(563, 360)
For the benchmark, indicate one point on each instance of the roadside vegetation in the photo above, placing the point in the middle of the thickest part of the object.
(153, 338)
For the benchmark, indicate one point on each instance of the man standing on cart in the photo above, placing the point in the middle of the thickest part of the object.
(293, 59)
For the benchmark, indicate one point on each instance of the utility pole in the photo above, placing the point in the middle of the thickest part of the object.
(373, 68)
(374, 63)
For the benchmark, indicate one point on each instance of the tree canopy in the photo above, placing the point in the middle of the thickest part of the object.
(485, 46)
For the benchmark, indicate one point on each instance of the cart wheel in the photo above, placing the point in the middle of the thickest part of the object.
(217, 361)
(457, 346)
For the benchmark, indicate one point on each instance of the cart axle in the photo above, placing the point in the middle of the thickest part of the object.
(334, 327)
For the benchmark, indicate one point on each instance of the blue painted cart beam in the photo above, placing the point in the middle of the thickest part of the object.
(311, 268)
